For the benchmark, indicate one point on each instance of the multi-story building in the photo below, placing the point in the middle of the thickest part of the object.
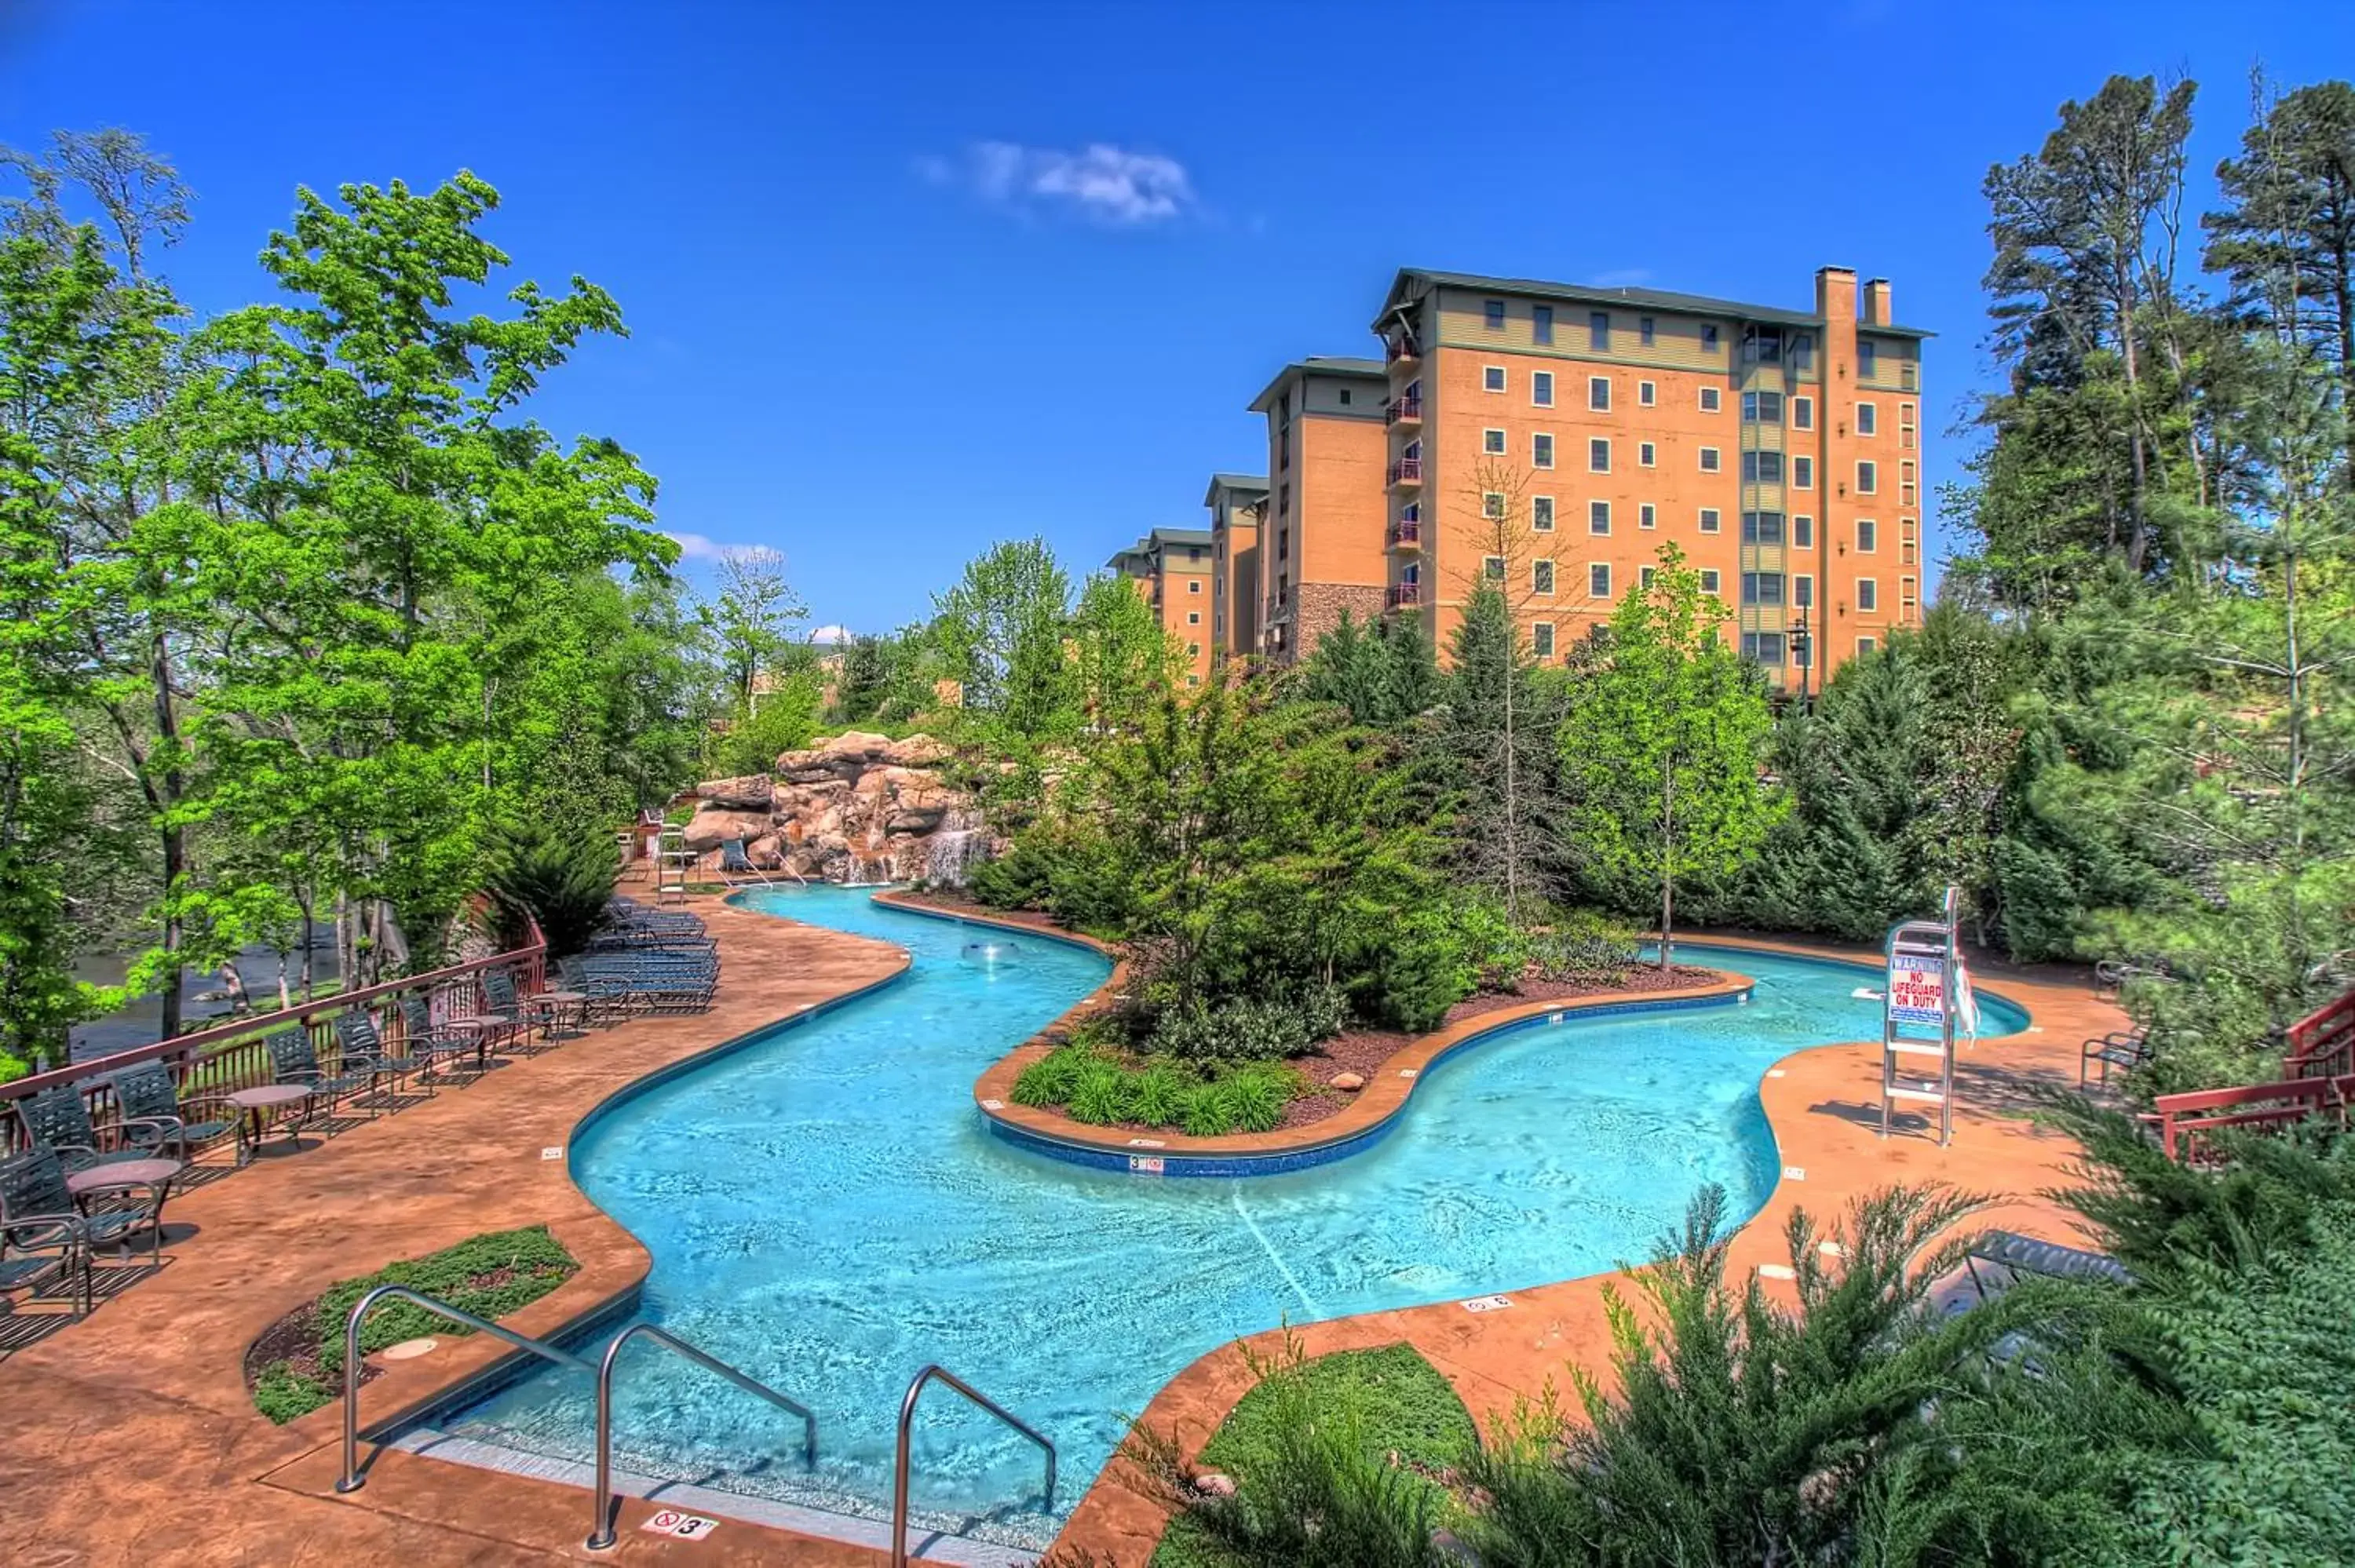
(1320, 535)
(1236, 503)
(1171, 568)
(1557, 436)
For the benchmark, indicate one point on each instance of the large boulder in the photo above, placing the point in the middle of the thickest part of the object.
(710, 827)
(754, 792)
(916, 751)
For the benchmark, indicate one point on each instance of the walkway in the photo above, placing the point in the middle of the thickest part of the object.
(130, 1438)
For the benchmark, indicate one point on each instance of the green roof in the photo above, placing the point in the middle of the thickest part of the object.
(1414, 281)
(1318, 364)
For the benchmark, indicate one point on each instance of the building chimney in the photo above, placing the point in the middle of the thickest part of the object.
(1876, 303)
(1835, 294)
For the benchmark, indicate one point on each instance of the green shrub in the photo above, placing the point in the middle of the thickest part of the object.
(565, 881)
(1100, 1095)
(490, 1276)
(1049, 1080)
(1251, 1029)
(1584, 947)
(1255, 1095)
(282, 1394)
(1018, 879)
(1207, 1113)
(1156, 1097)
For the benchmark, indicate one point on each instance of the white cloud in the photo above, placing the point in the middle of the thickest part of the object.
(1111, 184)
(697, 548)
(831, 636)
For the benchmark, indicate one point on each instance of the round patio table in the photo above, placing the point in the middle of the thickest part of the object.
(481, 1026)
(121, 1176)
(257, 1104)
(557, 1004)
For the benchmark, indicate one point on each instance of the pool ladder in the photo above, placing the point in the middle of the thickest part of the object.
(606, 1504)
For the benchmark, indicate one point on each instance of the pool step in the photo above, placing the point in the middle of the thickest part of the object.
(937, 1546)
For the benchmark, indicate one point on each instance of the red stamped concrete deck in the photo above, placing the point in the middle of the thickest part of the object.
(130, 1437)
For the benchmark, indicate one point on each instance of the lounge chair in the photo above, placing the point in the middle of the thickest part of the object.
(357, 1073)
(37, 1216)
(155, 1119)
(501, 1000)
(2126, 1048)
(2026, 1255)
(735, 867)
(59, 1119)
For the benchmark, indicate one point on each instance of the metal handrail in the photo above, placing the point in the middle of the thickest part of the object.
(900, 1462)
(607, 1506)
(351, 1480)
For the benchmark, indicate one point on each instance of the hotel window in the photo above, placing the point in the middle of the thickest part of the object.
(1708, 459)
(1868, 359)
(1762, 408)
(1802, 532)
(1598, 394)
(1194, 585)
(1709, 519)
(1647, 515)
(1763, 647)
(1762, 527)
(1709, 340)
(1492, 442)
(1907, 598)
(1867, 596)
(1644, 329)
(1598, 329)
(1598, 518)
(1541, 513)
(1708, 400)
(1541, 451)
(1905, 433)
(1541, 638)
(1802, 351)
(1492, 378)
(1803, 413)
(1762, 467)
(1542, 389)
(1493, 567)
(1493, 311)
(1867, 479)
(1803, 593)
(1648, 393)
(1193, 651)
(1762, 588)
(1906, 484)
(1492, 505)
(1803, 474)
(1863, 646)
(1193, 618)
(1868, 536)
(1709, 579)
(1598, 580)
(1598, 456)
(1647, 454)
(1541, 324)
(1542, 577)
(1644, 578)
(1905, 373)
(1868, 420)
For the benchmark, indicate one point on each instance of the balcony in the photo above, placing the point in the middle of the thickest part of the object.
(1401, 349)
(1406, 409)
(1405, 474)
(1403, 596)
(1406, 534)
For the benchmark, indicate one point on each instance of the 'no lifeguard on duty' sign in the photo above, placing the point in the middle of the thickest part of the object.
(1917, 989)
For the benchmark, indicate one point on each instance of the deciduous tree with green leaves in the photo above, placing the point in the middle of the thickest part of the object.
(1665, 751)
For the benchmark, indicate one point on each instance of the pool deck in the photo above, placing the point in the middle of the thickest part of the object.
(130, 1437)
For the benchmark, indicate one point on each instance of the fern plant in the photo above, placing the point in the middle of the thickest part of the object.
(563, 880)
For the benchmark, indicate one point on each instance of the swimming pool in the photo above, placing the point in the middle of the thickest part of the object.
(826, 1211)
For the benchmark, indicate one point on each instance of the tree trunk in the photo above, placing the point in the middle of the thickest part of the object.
(175, 840)
(1667, 868)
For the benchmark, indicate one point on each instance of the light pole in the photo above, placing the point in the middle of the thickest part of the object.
(1799, 644)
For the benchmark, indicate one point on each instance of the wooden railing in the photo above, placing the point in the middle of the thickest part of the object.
(2185, 1120)
(2322, 1044)
(233, 1055)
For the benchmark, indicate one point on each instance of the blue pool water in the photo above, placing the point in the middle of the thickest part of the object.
(825, 1210)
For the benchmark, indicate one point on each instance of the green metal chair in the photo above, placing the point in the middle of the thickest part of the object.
(158, 1120)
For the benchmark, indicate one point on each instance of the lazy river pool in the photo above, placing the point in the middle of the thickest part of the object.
(826, 1211)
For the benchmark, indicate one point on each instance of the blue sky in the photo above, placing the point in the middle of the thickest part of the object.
(904, 280)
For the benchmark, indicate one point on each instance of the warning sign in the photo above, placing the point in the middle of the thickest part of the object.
(1917, 989)
(686, 1526)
